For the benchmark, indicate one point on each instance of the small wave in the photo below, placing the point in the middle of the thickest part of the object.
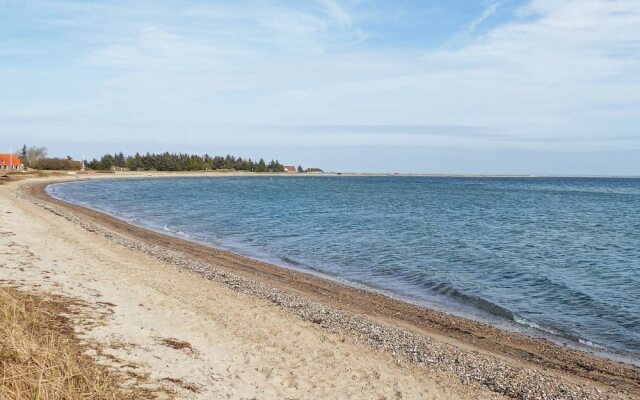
(475, 301)
(499, 311)
(323, 272)
(589, 343)
(530, 324)
(167, 228)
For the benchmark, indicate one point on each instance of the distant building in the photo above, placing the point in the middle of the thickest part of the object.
(290, 169)
(10, 162)
(314, 171)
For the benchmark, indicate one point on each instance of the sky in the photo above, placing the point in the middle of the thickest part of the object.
(451, 86)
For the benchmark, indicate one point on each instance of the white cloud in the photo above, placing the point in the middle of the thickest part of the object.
(562, 62)
(560, 69)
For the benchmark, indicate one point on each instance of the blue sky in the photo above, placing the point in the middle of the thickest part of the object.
(540, 86)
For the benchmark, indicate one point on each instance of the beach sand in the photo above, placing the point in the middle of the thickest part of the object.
(210, 324)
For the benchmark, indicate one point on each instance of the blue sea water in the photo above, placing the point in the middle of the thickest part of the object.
(557, 255)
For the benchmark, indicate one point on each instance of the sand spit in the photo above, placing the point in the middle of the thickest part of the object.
(435, 356)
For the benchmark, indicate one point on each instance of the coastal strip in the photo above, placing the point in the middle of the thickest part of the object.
(507, 363)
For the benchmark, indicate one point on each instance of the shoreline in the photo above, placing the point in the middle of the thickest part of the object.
(453, 309)
(216, 173)
(457, 310)
(341, 305)
(180, 336)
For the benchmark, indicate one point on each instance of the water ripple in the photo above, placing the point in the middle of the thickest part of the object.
(559, 255)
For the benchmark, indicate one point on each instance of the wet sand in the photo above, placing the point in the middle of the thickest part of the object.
(467, 358)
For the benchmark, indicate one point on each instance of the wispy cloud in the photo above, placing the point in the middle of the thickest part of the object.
(400, 13)
(552, 73)
(486, 14)
(337, 12)
(466, 34)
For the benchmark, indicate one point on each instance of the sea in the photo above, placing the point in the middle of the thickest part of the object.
(552, 257)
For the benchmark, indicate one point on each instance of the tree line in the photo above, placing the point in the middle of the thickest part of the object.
(182, 162)
(36, 157)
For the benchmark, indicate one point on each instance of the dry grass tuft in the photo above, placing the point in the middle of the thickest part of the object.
(41, 358)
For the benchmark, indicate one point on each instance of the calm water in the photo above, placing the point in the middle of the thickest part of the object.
(555, 255)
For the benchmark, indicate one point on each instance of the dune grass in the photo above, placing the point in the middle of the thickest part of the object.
(41, 358)
(8, 176)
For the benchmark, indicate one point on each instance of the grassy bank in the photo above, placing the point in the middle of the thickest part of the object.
(42, 358)
(8, 176)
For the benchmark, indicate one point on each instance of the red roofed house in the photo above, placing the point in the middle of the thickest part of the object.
(290, 169)
(9, 162)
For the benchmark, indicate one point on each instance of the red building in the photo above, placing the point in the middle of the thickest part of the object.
(290, 169)
(10, 162)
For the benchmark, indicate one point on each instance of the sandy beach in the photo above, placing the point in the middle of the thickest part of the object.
(204, 323)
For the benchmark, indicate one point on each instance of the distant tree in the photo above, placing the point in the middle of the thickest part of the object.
(107, 162)
(94, 165)
(300, 170)
(22, 155)
(34, 154)
(262, 166)
(120, 161)
(134, 163)
(275, 166)
(228, 162)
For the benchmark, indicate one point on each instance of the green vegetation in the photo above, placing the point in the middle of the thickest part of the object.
(36, 158)
(182, 162)
(56, 164)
